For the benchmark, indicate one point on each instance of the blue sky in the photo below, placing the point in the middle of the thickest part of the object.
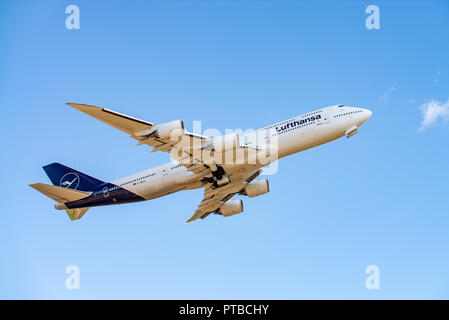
(379, 198)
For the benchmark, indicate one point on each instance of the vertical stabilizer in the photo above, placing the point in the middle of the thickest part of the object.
(66, 177)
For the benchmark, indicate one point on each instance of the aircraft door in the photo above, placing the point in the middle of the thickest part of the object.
(106, 192)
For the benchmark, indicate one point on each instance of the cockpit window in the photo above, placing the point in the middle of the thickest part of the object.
(341, 105)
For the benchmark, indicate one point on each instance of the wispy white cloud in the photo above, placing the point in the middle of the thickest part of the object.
(387, 93)
(432, 111)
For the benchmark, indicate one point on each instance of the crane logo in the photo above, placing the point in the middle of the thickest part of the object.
(70, 180)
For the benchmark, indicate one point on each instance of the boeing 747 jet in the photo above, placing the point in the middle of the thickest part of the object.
(224, 166)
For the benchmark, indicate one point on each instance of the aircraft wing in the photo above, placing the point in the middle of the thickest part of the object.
(132, 126)
(146, 133)
(185, 148)
(117, 120)
(215, 197)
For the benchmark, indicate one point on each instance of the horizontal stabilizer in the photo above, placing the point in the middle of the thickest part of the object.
(59, 194)
(75, 214)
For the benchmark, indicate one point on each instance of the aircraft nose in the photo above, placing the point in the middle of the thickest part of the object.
(368, 113)
(364, 115)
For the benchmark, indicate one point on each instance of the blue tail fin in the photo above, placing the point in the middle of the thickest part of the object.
(63, 176)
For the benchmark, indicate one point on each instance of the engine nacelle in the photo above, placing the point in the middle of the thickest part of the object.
(226, 142)
(231, 208)
(164, 130)
(256, 188)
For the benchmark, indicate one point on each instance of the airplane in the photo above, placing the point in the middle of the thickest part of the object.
(197, 161)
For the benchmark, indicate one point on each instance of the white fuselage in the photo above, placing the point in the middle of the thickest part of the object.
(292, 136)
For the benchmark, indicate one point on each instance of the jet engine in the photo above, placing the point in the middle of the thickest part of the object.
(163, 130)
(231, 208)
(256, 188)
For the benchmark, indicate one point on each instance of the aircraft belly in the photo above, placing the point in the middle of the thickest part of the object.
(113, 195)
(155, 188)
(309, 138)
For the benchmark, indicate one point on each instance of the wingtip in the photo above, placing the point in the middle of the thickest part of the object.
(191, 219)
(80, 106)
(76, 106)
